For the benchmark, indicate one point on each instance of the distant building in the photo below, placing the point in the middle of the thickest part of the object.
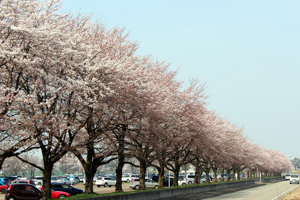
(296, 163)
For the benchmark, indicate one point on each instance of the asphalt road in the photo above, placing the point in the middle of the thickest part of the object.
(270, 191)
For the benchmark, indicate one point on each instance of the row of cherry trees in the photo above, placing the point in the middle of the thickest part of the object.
(69, 85)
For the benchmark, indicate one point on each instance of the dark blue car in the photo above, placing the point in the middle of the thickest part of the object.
(66, 188)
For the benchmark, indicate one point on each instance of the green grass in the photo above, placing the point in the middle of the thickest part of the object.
(271, 177)
(82, 196)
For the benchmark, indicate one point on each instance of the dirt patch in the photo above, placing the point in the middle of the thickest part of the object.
(295, 195)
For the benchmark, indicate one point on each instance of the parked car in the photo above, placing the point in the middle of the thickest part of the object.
(76, 180)
(3, 181)
(23, 191)
(65, 181)
(94, 179)
(38, 180)
(54, 179)
(81, 177)
(189, 179)
(129, 177)
(165, 181)
(66, 188)
(11, 178)
(59, 194)
(181, 181)
(294, 178)
(21, 178)
(4, 187)
(105, 181)
(135, 183)
(111, 176)
(125, 178)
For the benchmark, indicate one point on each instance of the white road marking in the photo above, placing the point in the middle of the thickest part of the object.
(285, 192)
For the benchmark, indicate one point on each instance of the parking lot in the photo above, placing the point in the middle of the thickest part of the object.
(99, 190)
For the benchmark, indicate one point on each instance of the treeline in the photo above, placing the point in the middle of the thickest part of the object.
(69, 85)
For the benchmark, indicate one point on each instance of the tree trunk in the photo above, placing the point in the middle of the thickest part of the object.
(222, 173)
(207, 175)
(215, 174)
(233, 174)
(176, 175)
(228, 174)
(89, 170)
(198, 173)
(48, 167)
(238, 174)
(161, 177)
(1, 162)
(121, 159)
(88, 187)
(119, 171)
(143, 168)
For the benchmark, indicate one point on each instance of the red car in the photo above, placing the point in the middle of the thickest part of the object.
(4, 187)
(57, 194)
(30, 192)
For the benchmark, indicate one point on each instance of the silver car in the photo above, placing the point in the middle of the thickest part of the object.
(135, 184)
(66, 181)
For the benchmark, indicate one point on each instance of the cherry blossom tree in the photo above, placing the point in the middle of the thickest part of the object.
(185, 126)
(68, 84)
(36, 45)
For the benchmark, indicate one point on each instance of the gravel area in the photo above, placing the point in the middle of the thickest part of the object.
(295, 195)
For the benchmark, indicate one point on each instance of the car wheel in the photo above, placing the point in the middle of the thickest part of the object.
(109, 186)
(105, 185)
(190, 182)
(128, 181)
(61, 196)
(183, 183)
(156, 187)
(2, 191)
(98, 185)
(137, 187)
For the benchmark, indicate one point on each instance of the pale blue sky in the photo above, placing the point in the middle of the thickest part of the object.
(247, 52)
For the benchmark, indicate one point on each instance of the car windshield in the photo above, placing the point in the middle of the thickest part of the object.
(294, 176)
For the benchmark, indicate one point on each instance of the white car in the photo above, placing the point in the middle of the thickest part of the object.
(38, 180)
(287, 177)
(135, 183)
(294, 178)
(128, 178)
(105, 181)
